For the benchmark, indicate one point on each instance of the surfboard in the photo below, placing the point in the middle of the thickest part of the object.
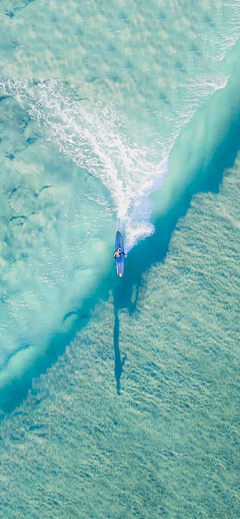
(119, 262)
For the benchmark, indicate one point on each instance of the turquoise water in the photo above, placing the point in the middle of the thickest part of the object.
(119, 397)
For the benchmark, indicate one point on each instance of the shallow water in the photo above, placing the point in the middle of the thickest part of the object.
(168, 446)
(124, 115)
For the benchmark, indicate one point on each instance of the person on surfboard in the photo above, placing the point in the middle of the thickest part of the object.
(117, 253)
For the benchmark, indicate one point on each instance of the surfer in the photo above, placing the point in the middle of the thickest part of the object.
(118, 253)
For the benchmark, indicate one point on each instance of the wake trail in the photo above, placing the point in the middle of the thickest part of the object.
(95, 138)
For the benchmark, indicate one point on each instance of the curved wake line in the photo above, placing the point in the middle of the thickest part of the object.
(95, 139)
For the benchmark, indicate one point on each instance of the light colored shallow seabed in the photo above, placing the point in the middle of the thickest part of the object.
(121, 114)
(168, 445)
(93, 99)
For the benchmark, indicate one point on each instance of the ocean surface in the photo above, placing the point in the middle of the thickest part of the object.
(119, 398)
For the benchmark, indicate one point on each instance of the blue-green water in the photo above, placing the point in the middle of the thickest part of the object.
(119, 397)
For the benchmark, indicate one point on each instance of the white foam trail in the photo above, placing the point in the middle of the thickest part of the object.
(137, 224)
(96, 140)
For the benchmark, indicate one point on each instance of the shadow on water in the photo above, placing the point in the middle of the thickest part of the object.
(119, 363)
(206, 177)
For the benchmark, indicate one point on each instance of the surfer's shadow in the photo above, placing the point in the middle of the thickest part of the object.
(125, 297)
(119, 360)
